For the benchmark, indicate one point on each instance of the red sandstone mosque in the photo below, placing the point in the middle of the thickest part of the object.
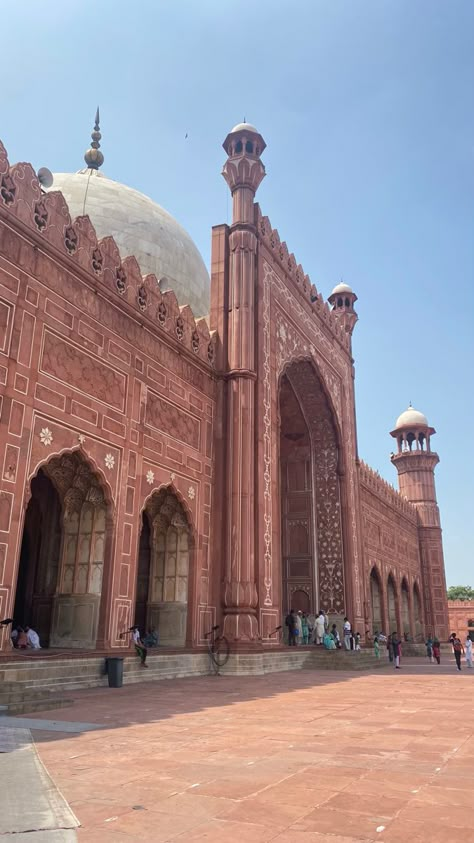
(179, 450)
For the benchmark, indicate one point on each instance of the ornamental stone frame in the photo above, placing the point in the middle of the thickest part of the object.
(86, 537)
(319, 417)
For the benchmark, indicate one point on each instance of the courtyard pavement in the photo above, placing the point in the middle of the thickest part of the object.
(296, 757)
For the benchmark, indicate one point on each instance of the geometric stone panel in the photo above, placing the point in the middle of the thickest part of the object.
(170, 419)
(69, 364)
(75, 621)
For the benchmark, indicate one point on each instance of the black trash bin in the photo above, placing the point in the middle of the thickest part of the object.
(115, 672)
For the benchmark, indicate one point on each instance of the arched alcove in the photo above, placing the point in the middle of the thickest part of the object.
(376, 602)
(65, 544)
(405, 607)
(163, 569)
(418, 613)
(392, 605)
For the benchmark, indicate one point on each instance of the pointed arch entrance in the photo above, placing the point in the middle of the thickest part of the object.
(405, 607)
(418, 613)
(311, 526)
(376, 602)
(164, 554)
(65, 544)
(392, 605)
(39, 558)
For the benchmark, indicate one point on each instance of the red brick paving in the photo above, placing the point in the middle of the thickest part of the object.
(303, 757)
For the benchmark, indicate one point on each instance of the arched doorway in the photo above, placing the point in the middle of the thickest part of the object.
(39, 559)
(163, 569)
(376, 602)
(392, 605)
(418, 613)
(143, 575)
(65, 543)
(311, 528)
(405, 608)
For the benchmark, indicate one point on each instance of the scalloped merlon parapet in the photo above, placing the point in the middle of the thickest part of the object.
(376, 484)
(47, 214)
(301, 282)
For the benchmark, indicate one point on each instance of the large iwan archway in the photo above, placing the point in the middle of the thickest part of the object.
(65, 545)
(311, 528)
(163, 569)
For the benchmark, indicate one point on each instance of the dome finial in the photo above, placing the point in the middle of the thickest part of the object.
(94, 157)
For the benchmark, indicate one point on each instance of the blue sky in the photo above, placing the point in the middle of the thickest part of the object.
(366, 107)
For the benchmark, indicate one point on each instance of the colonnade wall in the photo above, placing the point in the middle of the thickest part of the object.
(392, 556)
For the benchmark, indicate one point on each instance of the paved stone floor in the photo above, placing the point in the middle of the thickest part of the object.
(298, 757)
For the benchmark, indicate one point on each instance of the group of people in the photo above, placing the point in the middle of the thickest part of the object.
(394, 648)
(25, 638)
(305, 628)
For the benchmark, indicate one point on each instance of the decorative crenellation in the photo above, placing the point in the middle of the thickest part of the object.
(373, 481)
(295, 273)
(48, 215)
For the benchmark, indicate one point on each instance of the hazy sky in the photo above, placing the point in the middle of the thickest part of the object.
(367, 110)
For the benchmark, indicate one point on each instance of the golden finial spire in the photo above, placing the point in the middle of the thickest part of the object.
(93, 157)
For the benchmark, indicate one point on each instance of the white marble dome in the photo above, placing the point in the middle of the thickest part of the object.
(341, 289)
(410, 418)
(141, 228)
(241, 127)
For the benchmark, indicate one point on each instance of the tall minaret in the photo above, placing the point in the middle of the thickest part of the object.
(243, 172)
(415, 463)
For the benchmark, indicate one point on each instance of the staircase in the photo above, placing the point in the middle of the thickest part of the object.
(16, 698)
(321, 659)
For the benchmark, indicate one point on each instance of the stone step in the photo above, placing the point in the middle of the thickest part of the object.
(28, 706)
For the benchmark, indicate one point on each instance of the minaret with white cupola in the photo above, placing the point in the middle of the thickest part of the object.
(415, 463)
(342, 301)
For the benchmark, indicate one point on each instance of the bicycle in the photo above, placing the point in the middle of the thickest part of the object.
(218, 648)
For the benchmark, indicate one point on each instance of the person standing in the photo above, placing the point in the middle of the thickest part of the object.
(458, 650)
(347, 634)
(320, 628)
(429, 648)
(437, 649)
(397, 649)
(304, 624)
(357, 641)
(376, 648)
(290, 622)
(468, 650)
(299, 627)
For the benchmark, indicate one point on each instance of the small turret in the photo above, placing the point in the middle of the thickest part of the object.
(243, 170)
(342, 300)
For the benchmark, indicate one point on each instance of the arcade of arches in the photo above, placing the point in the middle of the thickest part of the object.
(312, 547)
(394, 615)
(66, 543)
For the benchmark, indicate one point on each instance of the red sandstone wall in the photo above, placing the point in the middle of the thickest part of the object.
(391, 543)
(461, 616)
(94, 357)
